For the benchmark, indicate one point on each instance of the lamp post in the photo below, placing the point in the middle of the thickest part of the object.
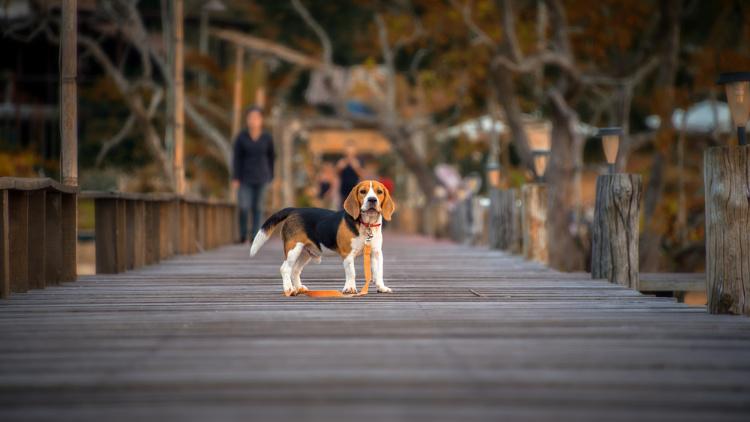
(727, 190)
(534, 199)
(737, 86)
(614, 240)
(611, 145)
(541, 158)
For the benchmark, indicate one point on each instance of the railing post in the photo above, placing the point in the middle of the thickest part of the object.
(153, 219)
(18, 213)
(727, 191)
(534, 222)
(135, 230)
(36, 236)
(53, 244)
(111, 242)
(69, 226)
(505, 221)
(4, 246)
(614, 252)
(164, 230)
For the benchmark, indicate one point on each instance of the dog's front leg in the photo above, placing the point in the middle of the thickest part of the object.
(377, 271)
(350, 286)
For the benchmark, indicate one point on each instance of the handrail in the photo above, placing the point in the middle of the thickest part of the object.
(38, 230)
(28, 184)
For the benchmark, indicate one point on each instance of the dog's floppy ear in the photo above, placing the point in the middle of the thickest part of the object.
(352, 205)
(388, 205)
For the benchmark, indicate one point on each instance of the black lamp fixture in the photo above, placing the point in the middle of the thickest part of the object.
(611, 144)
(541, 157)
(540, 144)
(737, 86)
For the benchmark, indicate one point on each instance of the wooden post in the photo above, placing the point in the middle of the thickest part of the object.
(505, 222)
(111, 242)
(179, 97)
(153, 220)
(36, 235)
(237, 97)
(614, 253)
(18, 217)
(726, 175)
(69, 236)
(534, 222)
(4, 246)
(53, 243)
(68, 92)
(135, 228)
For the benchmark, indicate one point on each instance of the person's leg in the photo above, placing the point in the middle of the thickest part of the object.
(243, 206)
(256, 206)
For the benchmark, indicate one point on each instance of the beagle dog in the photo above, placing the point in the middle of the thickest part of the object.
(305, 230)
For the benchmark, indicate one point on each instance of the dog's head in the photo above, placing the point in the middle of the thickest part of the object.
(369, 196)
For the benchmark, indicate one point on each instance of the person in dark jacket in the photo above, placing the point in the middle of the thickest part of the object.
(252, 170)
(350, 171)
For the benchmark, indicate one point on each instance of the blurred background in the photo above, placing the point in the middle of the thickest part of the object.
(432, 95)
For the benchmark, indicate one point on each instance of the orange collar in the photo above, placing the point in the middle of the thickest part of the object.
(369, 224)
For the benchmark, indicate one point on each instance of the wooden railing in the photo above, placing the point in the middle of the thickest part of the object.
(133, 230)
(37, 234)
(39, 230)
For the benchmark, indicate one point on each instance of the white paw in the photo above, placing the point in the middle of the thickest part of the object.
(302, 289)
(384, 289)
(349, 290)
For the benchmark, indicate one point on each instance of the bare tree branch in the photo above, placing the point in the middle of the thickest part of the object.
(325, 41)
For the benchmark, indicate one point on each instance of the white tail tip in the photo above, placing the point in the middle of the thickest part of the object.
(259, 240)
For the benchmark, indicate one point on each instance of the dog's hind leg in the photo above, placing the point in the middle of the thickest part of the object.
(299, 265)
(287, 268)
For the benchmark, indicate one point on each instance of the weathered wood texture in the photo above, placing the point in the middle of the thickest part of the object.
(36, 248)
(614, 253)
(727, 188)
(534, 222)
(133, 230)
(505, 221)
(469, 334)
(4, 246)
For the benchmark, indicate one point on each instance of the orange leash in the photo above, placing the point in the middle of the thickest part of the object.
(336, 293)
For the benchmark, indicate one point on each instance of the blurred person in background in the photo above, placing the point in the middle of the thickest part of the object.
(328, 186)
(350, 170)
(252, 170)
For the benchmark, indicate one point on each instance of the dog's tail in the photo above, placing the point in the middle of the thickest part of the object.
(267, 229)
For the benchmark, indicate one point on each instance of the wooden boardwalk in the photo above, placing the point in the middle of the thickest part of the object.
(469, 334)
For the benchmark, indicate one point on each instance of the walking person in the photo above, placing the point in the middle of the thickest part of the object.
(350, 170)
(252, 170)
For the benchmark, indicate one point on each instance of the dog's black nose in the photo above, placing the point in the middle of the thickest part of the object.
(371, 199)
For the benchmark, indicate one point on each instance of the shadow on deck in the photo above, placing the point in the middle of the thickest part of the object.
(469, 334)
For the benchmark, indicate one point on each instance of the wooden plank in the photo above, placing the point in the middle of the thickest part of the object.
(672, 282)
(53, 244)
(4, 246)
(37, 239)
(18, 216)
(469, 334)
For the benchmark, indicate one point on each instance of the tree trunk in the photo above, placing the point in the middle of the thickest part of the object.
(505, 224)
(534, 221)
(727, 187)
(614, 254)
(178, 162)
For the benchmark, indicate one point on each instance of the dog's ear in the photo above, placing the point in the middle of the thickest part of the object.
(388, 205)
(352, 205)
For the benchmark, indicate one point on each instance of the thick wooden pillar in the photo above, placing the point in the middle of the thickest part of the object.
(178, 44)
(534, 222)
(614, 253)
(4, 246)
(68, 92)
(505, 221)
(153, 232)
(727, 188)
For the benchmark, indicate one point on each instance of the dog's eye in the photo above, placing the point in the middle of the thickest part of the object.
(363, 191)
(380, 192)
